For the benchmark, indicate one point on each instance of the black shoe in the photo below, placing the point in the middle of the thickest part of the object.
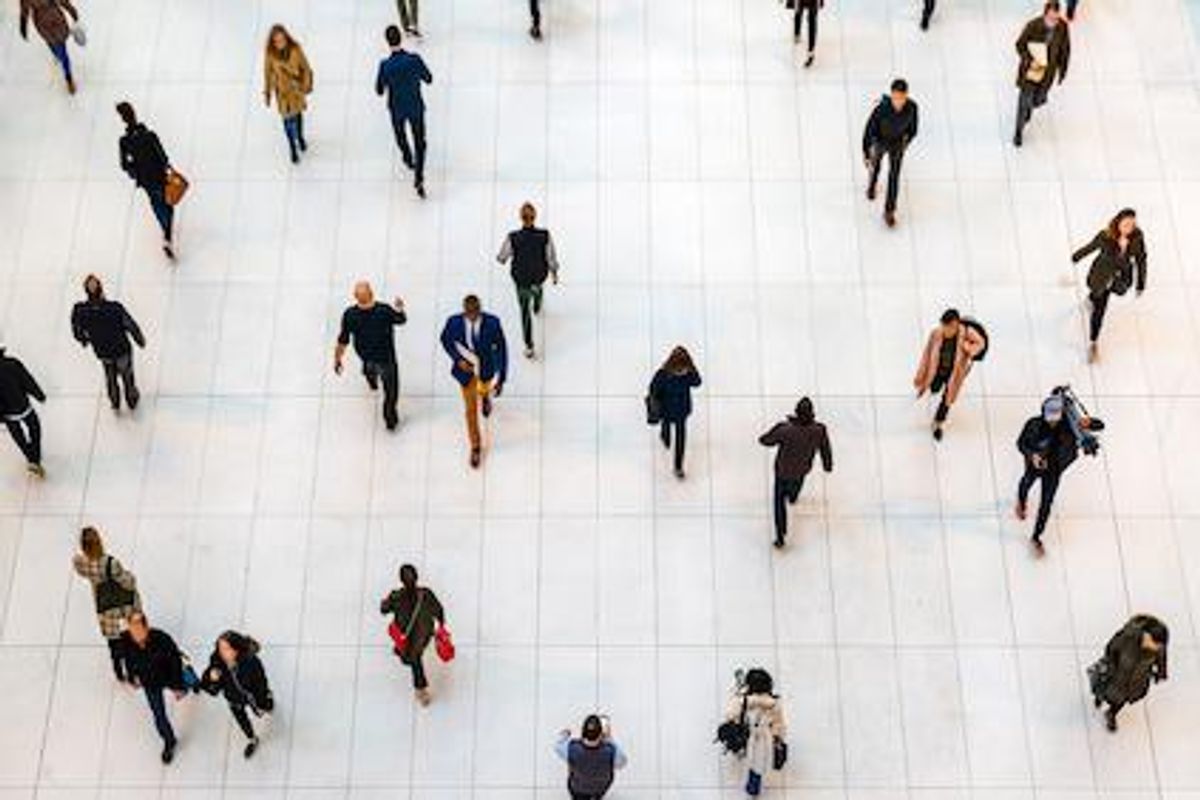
(168, 753)
(937, 434)
(679, 473)
(487, 406)
(408, 162)
(665, 438)
(303, 146)
(476, 457)
(131, 400)
(1110, 720)
(1038, 547)
(373, 382)
(889, 218)
(421, 190)
(114, 406)
(808, 62)
(1017, 140)
(924, 23)
(169, 250)
(251, 746)
(536, 33)
(391, 425)
(779, 542)
(295, 156)
(870, 192)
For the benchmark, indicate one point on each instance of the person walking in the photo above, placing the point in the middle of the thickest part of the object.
(808, 8)
(535, 15)
(478, 353)
(927, 13)
(1044, 52)
(154, 663)
(16, 387)
(799, 438)
(1049, 446)
(114, 590)
(592, 759)
(235, 672)
(107, 327)
(890, 129)
(1120, 263)
(756, 708)
(671, 391)
(1135, 657)
(417, 616)
(144, 160)
(950, 351)
(409, 10)
(369, 324)
(531, 251)
(50, 21)
(289, 79)
(400, 76)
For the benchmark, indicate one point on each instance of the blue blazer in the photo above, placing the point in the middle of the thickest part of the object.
(491, 348)
(401, 75)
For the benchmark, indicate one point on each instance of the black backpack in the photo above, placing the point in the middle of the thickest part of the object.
(734, 735)
(110, 594)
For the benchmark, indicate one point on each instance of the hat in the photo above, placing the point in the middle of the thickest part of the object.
(1052, 409)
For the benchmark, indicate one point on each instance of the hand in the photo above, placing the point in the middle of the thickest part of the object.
(499, 390)
(337, 366)
(464, 365)
(565, 733)
(179, 693)
(214, 675)
(554, 279)
(398, 303)
(1039, 461)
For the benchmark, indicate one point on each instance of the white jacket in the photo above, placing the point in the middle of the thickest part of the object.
(764, 715)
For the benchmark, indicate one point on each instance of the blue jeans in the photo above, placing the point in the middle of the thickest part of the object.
(293, 126)
(162, 210)
(162, 723)
(62, 57)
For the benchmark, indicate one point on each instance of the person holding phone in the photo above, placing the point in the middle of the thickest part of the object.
(593, 758)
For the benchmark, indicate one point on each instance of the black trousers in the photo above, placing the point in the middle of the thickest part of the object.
(416, 124)
(535, 14)
(680, 427)
(1099, 306)
(810, 7)
(1050, 481)
(242, 718)
(117, 653)
(1029, 97)
(416, 663)
(941, 383)
(787, 490)
(27, 433)
(390, 375)
(1071, 4)
(158, 707)
(895, 157)
(121, 368)
(578, 796)
(927, 12)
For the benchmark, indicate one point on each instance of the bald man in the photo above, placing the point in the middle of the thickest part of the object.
(369, 324)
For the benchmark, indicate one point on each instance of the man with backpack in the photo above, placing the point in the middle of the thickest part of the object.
(890, 129)
(952, 347)
(592, 759)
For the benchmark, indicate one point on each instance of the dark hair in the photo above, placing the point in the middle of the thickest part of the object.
(471, 303)
(1051, 5)
(759, 681)
(392, 34)
(242, 644)
(592, 728)
(900, 85)
(1122, 215)
(950, 315)
(90, 543)
(98, 293)
(126, 112)
(804, 411)
(1157, 630)
(408, 576)
(680, 360)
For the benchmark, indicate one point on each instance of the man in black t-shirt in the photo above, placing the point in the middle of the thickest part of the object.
(370, 325)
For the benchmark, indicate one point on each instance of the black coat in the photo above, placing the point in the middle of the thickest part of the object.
(16, 386)
(403, 604)
(158, 665)
(1058, 52)
(106, 326)
(244, 685)
(143, 157)
(1111, 262)
(1132, 666)
(889, 128)
(674, 393)
(1055, 442)
(798, 445)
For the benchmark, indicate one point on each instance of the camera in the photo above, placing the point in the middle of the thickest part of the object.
(1083, 425)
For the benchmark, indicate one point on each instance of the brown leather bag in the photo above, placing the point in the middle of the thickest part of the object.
(175, 188)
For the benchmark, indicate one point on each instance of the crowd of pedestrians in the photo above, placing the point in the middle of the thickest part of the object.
(474, 341)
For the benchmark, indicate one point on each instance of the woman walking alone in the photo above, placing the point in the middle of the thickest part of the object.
(235, 672)
(755, 707)
(287, 76)
(1134, 657)
(671, 392)
(114, 590)
(51, 22)
(416, 616)
(1120, 264)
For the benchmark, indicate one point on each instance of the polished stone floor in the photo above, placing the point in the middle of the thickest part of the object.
(703, 189)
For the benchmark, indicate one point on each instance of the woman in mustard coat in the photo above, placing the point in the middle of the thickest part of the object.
(287, 76)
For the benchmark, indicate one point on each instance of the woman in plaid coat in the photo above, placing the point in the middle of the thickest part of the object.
(114, 590)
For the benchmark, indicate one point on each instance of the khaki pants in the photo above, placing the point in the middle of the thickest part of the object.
(473, 393)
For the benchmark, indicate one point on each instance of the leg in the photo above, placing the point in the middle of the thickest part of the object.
(1099, 306)
(390, 373)
(418, 129)
(110, 384)
(402, 140)
(470, 394)
(402, 7)
(535, 15)
(1024, 112)
(161, 722)
(117, 654)
(664, 433)
(291, 130)
(1071, 4)
(162, 210)
(414, 7)
(242, 719)
(125, 371)
(17, 430)
(780, 508)
(895, 160)
(796, 20)
(300, 132)
(927, 13)
(1049, 488)
(537, 297)
(1025, 484)
(34, 427)
(64, 60)
(812, 27)
(524, 299)
(1110, 716)
(680, 445)
(876, 159)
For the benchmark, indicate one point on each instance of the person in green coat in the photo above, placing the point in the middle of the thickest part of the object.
(1135, 657)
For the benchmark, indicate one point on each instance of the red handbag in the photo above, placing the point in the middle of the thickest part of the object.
(399, 637)
(444, 644)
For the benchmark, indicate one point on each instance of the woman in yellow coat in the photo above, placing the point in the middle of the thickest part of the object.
(287, 76)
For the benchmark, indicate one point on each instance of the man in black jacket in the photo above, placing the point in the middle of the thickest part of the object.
(107, 327)
(154, 662)
(1049, 447)
(370, 325)
(16, 387)
(890, 128)
(531, 250)
(144, 160)
(799, 438)
(1044, 50)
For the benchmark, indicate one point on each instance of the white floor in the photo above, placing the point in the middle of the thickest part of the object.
(704, 190)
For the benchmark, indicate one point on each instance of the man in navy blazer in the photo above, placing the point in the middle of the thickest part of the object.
(401, 75)
(479, 357)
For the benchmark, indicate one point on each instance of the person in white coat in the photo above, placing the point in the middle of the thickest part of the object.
(755, 705)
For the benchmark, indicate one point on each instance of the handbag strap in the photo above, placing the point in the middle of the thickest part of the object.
(412, 621)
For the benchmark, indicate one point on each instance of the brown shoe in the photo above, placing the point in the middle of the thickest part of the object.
(476, 457)
(1021, 510)
(889, 218)
(424, 697)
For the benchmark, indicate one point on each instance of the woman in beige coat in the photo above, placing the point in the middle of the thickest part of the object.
(755, 705)
(114, 590)
(287, 76)
(952, 347)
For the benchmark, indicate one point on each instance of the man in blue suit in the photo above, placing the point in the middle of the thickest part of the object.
(401, 75)
(479, 355)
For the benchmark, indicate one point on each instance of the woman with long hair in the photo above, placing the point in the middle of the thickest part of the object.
(235, 672)
(50, 20)
(114, 590)
(671, 391)
(288, 77)
(1120, 264)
